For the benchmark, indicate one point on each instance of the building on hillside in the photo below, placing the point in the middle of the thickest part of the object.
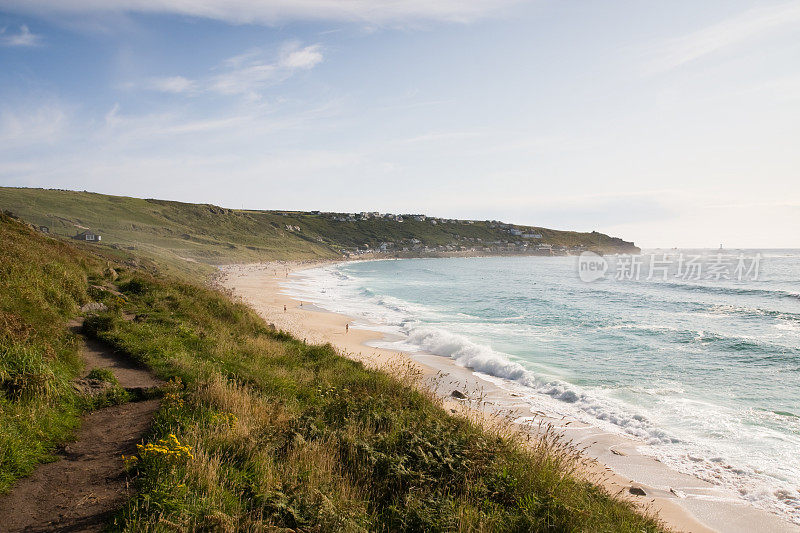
(531, 235)
(44, 229)
(87, 236)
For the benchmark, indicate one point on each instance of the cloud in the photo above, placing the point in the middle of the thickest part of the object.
(179, 154)
(249, 79)
(23, 38)
(304, 58)
(172, 84)
(245, 74)
(274, 11)
(31, 125)
(176, 127)
(727, 33)
(443, 136)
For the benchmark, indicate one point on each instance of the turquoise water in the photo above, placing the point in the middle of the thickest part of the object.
(705, 374)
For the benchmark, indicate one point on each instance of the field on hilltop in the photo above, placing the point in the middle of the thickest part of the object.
(189, 237)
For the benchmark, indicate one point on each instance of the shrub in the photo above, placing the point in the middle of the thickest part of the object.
(26, 375)
(103, 374)
(135, 286)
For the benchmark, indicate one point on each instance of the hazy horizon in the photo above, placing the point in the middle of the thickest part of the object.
(670, 125)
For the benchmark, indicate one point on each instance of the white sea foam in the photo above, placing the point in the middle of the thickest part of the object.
(700, 449)
(388, 314)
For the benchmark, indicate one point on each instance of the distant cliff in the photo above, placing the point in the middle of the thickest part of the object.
(193, 236)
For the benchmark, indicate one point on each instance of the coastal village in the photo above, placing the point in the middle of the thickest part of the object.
(520, 239)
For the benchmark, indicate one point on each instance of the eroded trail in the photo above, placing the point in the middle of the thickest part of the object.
(128, 373)
(87, 484)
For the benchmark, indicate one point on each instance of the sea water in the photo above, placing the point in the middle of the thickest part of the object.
(705, 374)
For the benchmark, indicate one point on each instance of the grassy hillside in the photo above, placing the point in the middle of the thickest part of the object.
(258, 430)
(188, 236)
(42, 284)
(176, 236)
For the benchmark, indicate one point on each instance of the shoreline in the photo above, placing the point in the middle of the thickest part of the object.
(683, 502)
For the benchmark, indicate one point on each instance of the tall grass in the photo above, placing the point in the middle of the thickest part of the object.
(293, 436)
(259, 431)
(42, 284)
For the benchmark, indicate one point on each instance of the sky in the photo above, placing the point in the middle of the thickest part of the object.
(666, 123)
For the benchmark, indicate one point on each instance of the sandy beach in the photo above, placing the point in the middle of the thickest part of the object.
(683, 502)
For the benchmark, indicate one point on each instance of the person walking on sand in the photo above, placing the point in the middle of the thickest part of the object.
(284, 308)
(347, 327)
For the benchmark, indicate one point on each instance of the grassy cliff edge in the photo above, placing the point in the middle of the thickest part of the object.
(258, 430)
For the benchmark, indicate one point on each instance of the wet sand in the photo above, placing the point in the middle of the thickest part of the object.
(683, 502)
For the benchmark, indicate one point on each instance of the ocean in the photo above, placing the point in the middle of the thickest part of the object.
(702, 369)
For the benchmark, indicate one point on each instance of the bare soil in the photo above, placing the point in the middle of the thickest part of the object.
(83, 489)
(128, 373)
(87, 484)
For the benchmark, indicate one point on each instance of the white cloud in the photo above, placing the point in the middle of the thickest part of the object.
(245, 74)
(273, 11)
(32, 125)
(23, 38)
(445, 136)
(727, 33)
(245, 57)
(249, 79)
(160, 127)
(172, 84)
(177, 153)
(171, 130)
(303, 58)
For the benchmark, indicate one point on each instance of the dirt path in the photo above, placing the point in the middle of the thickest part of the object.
(129, 374)
(82, 490)
(87, 485)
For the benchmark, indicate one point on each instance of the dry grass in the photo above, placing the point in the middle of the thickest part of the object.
(292, 436)
(259, 431)
(42, 284)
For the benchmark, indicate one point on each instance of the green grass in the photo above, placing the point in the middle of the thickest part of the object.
(103, 374)
(183, 238)
(161, 235)
(288, 435)
(258, 430)
(42, 283)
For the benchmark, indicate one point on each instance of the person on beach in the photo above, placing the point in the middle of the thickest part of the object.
(347, 327)
(284, 308)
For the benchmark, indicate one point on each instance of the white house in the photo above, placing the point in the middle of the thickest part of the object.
(87, 236)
